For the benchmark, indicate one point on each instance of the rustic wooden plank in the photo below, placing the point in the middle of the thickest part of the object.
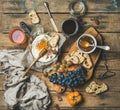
(2, 82)
(113, 64)
(114, 53)
(87, 108)
(6, 43)
(1, 6)
(97, 100)
(108, 97)
(112, 82)
(20, 6)
(3, 105)
(0, 22)
(111, 39)
(3, 108)
(103, 101)
(108, 22)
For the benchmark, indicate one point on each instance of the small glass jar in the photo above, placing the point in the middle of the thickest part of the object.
(77, 8)
(37, 30)
(17, 35)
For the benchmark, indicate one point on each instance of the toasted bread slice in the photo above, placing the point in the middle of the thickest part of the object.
(54, 40)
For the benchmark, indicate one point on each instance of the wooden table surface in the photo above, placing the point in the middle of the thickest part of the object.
(14, 11)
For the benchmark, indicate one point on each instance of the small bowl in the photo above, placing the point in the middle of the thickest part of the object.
(87, 38)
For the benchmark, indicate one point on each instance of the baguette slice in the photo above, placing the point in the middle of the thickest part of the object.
(54, 40)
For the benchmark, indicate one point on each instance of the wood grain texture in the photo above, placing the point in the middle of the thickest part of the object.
(1, 6)
(104, 100)
(111, 39)
(14, 11)
(20, 6)
(94, 56)
(108, 22)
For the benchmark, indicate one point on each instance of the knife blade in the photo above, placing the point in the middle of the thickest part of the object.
(53, 24)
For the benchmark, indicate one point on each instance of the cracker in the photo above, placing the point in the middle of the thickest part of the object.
(34, 17)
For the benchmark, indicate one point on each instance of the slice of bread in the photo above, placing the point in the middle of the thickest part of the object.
(54, 40)
(34, 17)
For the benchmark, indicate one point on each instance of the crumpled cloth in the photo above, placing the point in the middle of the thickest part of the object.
(28, 93)
(18, 59)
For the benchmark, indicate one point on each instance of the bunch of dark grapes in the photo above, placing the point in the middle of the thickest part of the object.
(71, 79)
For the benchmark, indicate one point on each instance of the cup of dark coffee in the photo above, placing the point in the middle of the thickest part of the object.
(70, 27)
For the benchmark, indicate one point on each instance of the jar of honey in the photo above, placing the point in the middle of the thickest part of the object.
(87, 43)
(17, 35)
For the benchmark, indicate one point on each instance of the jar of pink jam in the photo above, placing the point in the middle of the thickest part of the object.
(17, 36)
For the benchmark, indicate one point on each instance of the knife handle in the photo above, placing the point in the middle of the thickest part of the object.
(26, 28)
(47, 7)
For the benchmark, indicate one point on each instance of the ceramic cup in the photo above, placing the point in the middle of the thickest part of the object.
(89, 39)
(70, 27)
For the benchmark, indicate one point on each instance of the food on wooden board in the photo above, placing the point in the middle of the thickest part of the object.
(87, 62)
(54, 40)
(74, 98)
(77, 57)
(70, 60)
(62, 67)
(87, 43)
(34, 17)
(96, 88)
(70, 79)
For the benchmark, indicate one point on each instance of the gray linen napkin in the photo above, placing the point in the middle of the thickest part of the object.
(28, 93)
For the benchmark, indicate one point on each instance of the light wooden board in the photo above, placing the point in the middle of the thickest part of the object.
(93, 56)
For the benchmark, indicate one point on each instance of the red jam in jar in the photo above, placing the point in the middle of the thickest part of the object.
(17, 36)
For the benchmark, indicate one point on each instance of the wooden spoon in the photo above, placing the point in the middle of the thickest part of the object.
(42, 52)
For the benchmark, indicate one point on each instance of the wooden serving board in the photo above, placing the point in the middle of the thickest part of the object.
(95, 55)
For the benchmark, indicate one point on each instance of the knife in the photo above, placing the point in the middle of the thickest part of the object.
(26, 28)
(51, 18)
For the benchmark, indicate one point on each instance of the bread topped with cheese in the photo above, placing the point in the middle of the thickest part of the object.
(77, 57)
(54, 40)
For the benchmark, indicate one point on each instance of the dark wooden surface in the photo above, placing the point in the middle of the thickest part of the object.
(14, 11)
